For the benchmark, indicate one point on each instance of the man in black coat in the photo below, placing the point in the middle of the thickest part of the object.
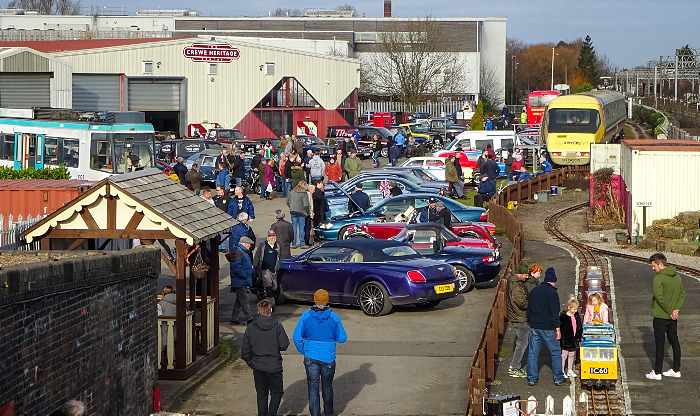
(180, 169)
(263, 341)
(543, 319)
(485, 191)
(490, 168)
(238, 169)
(222, 198)
(358, 199)
(320, 202)
(285, 234)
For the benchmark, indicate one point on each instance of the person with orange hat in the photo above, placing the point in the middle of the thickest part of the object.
(315, 337)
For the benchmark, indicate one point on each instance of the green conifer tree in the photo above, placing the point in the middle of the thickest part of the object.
(477, 122)
(588, 62)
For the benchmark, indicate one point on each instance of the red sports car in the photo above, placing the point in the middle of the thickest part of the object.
(473, 234)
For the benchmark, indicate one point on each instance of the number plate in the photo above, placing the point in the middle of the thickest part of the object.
(444, 288)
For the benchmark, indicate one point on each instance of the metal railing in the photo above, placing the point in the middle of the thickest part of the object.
(483, 367)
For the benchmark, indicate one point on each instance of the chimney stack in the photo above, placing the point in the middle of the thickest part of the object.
(387, 8)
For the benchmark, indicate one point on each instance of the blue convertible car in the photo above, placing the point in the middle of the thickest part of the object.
(374, 274)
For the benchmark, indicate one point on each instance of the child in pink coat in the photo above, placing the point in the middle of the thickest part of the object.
(596, 310)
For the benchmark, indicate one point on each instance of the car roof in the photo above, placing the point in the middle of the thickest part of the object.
(372, 248)
(380, 172)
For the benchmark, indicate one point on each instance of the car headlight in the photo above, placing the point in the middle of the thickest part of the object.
(325, 225)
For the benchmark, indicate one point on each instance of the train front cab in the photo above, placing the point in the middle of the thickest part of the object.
(598, 356)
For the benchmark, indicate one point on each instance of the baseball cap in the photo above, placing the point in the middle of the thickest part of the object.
(432, 200)
(271, 233)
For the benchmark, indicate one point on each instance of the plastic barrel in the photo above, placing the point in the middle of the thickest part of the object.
(554, 190)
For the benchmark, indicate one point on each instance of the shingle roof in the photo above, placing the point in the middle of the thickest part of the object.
(175, 203)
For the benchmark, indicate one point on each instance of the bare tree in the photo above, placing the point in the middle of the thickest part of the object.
(490, 86)
(70, 7)
(286, 12)
(411, 63)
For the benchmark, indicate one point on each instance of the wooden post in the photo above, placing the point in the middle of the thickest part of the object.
(214, 274)
(204, 296)
(191, 306)
(180, 308)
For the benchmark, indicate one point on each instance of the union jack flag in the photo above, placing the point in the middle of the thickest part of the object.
(384, 188)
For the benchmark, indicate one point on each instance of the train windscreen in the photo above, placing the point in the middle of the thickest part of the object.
(540, 100)
(565, 120)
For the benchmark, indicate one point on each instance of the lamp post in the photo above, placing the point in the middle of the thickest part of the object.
(552, 88)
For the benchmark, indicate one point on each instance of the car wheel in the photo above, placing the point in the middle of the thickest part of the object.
(385, 152)
(430, 304)
(343, 234)
(466, 279)
(374, 299)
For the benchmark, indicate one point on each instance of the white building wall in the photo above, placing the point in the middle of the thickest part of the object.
(225, 97)
(493, 53)
(668, 196)
(58, 22)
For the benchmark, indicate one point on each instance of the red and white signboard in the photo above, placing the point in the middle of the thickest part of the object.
(204, 52)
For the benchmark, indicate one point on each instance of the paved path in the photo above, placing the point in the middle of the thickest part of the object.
(408, 362)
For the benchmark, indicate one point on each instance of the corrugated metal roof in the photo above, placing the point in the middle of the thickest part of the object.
(175, 203)
(31, 184)
(670, 145)
(47, 46)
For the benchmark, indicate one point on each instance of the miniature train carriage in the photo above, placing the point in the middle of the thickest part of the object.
(598, 356)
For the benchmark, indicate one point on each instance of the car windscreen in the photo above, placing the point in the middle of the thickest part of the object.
(452, 144)
(400, 251)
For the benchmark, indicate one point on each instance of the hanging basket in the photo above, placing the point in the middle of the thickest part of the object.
(199, 273)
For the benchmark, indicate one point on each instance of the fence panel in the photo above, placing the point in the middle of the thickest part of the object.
(9, 235)
(434, 108)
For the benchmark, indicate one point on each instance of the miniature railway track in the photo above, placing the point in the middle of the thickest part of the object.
(638, 129)
(602, 401)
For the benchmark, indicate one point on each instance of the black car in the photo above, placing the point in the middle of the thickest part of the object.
(367, 134)
(170, 150)
(315, 144)
(450, 130)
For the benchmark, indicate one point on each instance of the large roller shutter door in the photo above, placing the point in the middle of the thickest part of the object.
(96, 92)
(25, 90)
(154, 95)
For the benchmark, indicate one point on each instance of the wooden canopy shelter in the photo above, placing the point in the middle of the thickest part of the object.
(149, 206)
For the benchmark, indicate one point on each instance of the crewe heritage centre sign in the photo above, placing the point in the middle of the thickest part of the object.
(204, 52)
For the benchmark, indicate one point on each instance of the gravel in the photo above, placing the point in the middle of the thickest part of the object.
(14, 258)
(574, 225)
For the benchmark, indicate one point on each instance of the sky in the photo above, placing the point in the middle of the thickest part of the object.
(629, 33)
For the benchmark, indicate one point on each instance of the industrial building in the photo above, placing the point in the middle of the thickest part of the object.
(263, 90)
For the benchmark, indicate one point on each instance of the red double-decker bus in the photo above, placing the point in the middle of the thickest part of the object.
(536, 103)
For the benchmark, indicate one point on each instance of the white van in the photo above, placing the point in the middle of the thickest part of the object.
(479, 139)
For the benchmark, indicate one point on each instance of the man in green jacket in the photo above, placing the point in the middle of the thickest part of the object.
(516, 308)
(669, 297)
(353, 164)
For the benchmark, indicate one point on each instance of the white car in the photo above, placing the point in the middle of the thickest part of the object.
(432, 164)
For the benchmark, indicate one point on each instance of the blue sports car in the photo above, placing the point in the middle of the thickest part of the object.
(394, 209)
(473, 264)
(374, 274)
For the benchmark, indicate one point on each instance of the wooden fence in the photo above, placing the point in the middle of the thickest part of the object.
(483, 367)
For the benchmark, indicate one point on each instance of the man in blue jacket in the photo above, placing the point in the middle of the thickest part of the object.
(543, 318)
(241, 270)
(315, 337)
(546, 166)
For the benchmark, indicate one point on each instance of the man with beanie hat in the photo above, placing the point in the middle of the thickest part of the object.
(543, 318)
(516, 306)
(263, 340)
(315, 337)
